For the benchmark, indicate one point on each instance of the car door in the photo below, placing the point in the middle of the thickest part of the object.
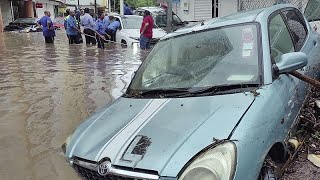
(281, 42)
(119, 35)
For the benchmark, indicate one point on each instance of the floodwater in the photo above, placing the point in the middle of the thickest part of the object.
(46, 91)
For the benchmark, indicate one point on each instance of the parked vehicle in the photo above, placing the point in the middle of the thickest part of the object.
(209, 102)
(129, 33)
(24, 25)
(58, 23)
(160, 17)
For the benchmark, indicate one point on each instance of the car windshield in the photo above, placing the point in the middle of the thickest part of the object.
(161, 19)
(217, 57)
(132, 22)
(25, 20)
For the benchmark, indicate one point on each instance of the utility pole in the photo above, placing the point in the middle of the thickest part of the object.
(121, 7)
(95, 9)
(169, 16)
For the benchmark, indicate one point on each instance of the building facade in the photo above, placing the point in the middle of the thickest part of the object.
(198, 10)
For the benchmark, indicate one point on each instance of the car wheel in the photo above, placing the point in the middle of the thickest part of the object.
(267, 173)
(124, 43)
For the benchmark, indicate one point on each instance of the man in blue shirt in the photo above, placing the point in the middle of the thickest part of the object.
(127, 10)
(88, 27)
(100, 30)
(106, 20)
(113, 27)
(72, 28)
(47, 27)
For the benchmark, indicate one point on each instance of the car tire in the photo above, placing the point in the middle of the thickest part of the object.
(124, 43)
(267, 173)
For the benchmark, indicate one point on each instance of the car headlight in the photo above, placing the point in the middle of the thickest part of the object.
(217, 163)
(65, 144)
(135, 38)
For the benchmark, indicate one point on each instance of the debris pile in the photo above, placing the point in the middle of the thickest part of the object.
(306, 146)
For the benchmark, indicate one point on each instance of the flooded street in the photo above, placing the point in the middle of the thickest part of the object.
(46, 91)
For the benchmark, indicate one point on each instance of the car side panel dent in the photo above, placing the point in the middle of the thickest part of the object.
(258, 131)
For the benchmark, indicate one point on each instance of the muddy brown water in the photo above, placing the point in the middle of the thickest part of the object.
(46, 91)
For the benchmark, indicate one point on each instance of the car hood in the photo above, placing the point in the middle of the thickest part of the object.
(135, 33)
(157, 134)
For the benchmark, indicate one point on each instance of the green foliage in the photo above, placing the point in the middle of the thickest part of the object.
(140, 3)
(132, 3)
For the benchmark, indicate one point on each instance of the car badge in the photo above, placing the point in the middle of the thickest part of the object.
(104, 168)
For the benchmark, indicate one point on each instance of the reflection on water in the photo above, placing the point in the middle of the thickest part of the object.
(46, 91)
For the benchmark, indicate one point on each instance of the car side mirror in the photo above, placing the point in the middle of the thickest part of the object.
(291, 61)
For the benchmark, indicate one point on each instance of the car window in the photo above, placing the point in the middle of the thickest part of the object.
(25, 20)
(279, 38)
(297, 27)
(176, 19)
(132, 22)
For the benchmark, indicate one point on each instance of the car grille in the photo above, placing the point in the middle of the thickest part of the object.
(93, 175)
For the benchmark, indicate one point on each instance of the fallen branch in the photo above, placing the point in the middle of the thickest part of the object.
(292, 157)
(306, 79)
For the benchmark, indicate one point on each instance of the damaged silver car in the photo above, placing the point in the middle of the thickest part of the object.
(210, 102)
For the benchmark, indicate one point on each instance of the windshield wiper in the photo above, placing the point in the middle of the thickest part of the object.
(158, 92)
(188, 92)
(220, 88)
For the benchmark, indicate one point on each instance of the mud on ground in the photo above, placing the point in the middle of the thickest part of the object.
(301, 167)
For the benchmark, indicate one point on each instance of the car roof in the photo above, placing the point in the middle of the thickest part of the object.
(233, 19)
(151, 9)
(128, 16)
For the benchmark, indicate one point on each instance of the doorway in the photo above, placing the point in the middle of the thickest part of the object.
(215, 8)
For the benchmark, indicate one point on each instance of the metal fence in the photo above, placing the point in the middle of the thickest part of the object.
(244, 5)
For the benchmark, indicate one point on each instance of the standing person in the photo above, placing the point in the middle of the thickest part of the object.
(67, 15)
(106, 20)
(47, 27)
(72, 28)
(113, 27)
(100, 30)
(88, 26)
(146, 30)
(127, 10)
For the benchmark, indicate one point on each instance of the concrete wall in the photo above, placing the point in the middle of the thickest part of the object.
(6, 12)
(186, 9)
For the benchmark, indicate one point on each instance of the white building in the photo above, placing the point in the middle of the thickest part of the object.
(198, 10)
(47, 5)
